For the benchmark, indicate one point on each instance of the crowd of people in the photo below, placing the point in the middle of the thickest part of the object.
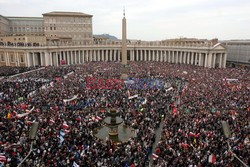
(191, 107)
(8, 71)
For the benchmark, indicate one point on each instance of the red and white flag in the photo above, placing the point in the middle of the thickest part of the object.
(66, 131)
(3, 158)
(212, 158)
(98, 118)
(155, 156)
(51, 121)
(29, 122)
(65, 125)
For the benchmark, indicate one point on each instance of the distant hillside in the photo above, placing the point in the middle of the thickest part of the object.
(111, 37)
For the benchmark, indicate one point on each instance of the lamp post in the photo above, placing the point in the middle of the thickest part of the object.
(32, 136)
(227, 133)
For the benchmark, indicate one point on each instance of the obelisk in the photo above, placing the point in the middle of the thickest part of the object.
(124, 40)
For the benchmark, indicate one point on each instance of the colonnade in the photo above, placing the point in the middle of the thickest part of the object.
(68, 57)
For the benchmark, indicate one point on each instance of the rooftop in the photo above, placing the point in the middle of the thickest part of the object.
(58, 13)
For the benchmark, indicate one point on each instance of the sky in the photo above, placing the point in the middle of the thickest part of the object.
(150, 19)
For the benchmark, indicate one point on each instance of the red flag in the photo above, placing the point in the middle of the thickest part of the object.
(175, 111)
(65, 125)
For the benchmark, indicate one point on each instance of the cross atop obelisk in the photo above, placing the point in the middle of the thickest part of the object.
(124, 40)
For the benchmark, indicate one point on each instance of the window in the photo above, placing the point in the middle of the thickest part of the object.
(22, 59)
(11, 58)
(2, 57)
(50, 28)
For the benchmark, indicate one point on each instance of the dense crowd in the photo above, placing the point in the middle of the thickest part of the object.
(8, 70)
(191, 107)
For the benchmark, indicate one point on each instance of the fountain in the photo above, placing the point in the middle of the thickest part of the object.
(113, 128)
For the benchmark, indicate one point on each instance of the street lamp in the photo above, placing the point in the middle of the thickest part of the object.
(227, 133)
(32, 136)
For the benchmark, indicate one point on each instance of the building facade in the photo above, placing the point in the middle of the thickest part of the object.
(205, 56)
(56, 27)
(238, 51)
(68, 40)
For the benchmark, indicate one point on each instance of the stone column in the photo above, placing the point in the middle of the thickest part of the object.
(86, 55)
(149, 55)
(60, 57)
(57, 59)
(46, 56)
(209, 60)
(71, 57)
(119, 55)
(33, 58)
(177, 57)
(180, 57)
(192, 58)
(214, 58)
(27, 60)
(79, 57)
(51, 58)
(224, 60)
(94, 55)
(200, 58)
(41, 58)
(102, 55)
(168, 55)
(206, 60)
(144, 53)
(184, 57)
(89, 55)
(75, 56)
(68, 58)
(110, 55)
(220, 60)
(18, 59)
(188, 57)
(115, 51)
(99, 55)
(141, 55)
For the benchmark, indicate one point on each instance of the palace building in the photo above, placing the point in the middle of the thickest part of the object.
(65, 38)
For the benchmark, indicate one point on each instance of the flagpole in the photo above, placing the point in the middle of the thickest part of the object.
(243, 163)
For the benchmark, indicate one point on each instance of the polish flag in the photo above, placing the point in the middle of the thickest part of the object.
(18, 116)
(51, 121)
(67, 131)
(212, 158)
(65, 125)
(3, 158)
(192, 134)
(29, 122)
(98, 118)
(78, 118)
(155, 156)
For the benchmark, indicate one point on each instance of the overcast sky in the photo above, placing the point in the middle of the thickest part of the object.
(150, 19)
